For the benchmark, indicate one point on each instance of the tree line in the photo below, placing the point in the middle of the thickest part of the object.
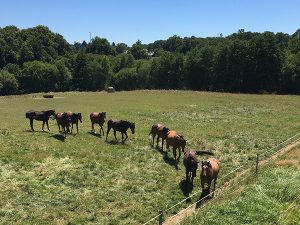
(38, 60)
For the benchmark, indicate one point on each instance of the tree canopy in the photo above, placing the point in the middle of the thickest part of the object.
(38, 60)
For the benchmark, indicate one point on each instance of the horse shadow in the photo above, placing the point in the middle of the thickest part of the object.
(59, 137)
(186, 188)
(113, 142)
(37, 131)
(95, 134)
(205, 193)
(169, 160)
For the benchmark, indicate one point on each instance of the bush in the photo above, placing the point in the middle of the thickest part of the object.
(125, 79)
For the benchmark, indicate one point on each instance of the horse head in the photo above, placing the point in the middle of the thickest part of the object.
(103, 115)
(206, 168)
(50, 113)
(165, 132)
(132, 127)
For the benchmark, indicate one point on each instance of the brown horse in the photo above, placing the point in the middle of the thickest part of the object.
(177, 141)
(191, 164)
(98, 118)
(63, 120)
(74, 118)
(161, 131)
(121, 126)
(210, 171)
(39, 116)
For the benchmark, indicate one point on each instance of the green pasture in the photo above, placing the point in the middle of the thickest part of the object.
(272, 197)
(45, 179)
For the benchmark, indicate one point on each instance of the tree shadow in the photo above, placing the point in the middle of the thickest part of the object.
(186, 188)
(205, 193)
(59, 137)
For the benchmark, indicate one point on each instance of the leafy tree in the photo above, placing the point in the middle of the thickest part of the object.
(8, 83)
(80, 72)
(38, 76)
(125, 79)
(138, 51)
(121, 48)
(99, 46)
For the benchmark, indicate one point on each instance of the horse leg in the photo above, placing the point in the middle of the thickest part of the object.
(43, 125)
(76, 127)
(162, 143)
(115, 132)
(93, 130)
(126, 136)
(179, 154)
(108, 129)
(47, 125)
(122, 137)
(31, 124)
(215, 181)
(174, 152)
(157, 141)
(187, 175)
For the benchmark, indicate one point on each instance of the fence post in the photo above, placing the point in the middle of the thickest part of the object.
(256, 168)
(160, 218)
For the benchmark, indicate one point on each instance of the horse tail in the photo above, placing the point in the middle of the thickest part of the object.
(202, 152)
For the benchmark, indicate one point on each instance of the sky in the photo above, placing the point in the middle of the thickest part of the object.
(148, 20)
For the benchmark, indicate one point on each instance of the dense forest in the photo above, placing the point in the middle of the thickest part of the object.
(38, 60)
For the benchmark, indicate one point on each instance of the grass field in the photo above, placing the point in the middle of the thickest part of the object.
(271, 198)
(83, 179)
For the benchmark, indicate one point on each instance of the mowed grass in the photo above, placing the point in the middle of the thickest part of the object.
(83, 179)
(273, 197)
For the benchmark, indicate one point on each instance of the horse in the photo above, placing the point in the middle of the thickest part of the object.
(39, 116)
(74, 118)
(63, 120)
(161, 131)
(121, 126)
(98, 118)
(177, 141)
(210, 171)
(191, 164)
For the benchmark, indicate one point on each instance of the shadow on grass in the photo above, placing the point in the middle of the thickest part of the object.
(95, 134)
(204, 193)
(113, 142)
(37, 131)
(170, 160)
(186, 188)
(59, 137)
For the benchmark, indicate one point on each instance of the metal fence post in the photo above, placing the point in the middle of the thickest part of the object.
(160, 218)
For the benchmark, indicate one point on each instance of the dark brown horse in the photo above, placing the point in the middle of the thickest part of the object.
(39, 116)
(63, 120)
(74, 118)
(191, 164)
(98, 118)
(177, 141)
(121, 126)
(209, 173)
(161, 131)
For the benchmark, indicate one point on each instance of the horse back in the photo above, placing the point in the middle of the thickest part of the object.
(215, 165)
(190, 160)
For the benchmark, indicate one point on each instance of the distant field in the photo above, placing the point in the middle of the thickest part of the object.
(83, 179)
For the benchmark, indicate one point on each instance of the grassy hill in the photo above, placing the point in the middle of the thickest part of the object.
(83, 179)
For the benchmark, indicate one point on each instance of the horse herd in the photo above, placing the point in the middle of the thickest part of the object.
(65, 120)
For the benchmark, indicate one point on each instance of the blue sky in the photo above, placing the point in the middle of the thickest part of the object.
(129, 20)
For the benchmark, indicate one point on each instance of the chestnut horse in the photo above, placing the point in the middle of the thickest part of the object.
(177, 141)
(39, 116)
(63, 120)
(74, 118)
(161, 131)
(98, 118)
(121, 126)
(210, 171)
